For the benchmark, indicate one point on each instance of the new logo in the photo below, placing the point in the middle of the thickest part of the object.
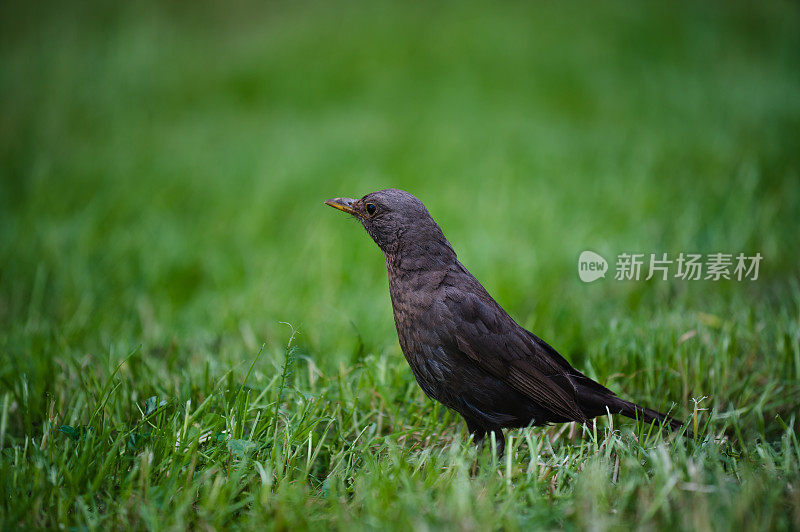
(591, 266)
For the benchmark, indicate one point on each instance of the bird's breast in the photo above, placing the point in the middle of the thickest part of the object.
(419, 311)
(417, 301)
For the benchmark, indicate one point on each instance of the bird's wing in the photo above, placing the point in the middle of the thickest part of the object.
(488, 337)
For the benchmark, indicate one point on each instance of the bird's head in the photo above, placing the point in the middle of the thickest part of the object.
(396, 221)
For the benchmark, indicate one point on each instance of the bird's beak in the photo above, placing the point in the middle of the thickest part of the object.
(343, 204)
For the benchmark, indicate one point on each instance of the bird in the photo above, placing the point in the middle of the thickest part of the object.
(464, 349)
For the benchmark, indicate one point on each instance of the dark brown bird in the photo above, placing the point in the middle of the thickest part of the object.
(465, 351)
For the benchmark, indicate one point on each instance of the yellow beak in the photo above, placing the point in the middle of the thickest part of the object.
(343, 204)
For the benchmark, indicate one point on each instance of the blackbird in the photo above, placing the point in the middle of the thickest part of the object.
(466, 351)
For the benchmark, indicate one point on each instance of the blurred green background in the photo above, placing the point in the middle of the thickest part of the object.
(164, 165)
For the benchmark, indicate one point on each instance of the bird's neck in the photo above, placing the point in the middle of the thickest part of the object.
(420, 256)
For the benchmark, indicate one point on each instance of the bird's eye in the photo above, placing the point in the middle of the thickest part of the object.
(371, 208)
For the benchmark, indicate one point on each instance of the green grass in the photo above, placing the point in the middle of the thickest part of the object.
(162, 174)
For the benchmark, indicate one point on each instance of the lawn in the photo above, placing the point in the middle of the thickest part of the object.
(189, 337)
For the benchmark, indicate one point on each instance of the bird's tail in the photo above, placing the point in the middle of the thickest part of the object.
(599, 400)
(634, 411)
